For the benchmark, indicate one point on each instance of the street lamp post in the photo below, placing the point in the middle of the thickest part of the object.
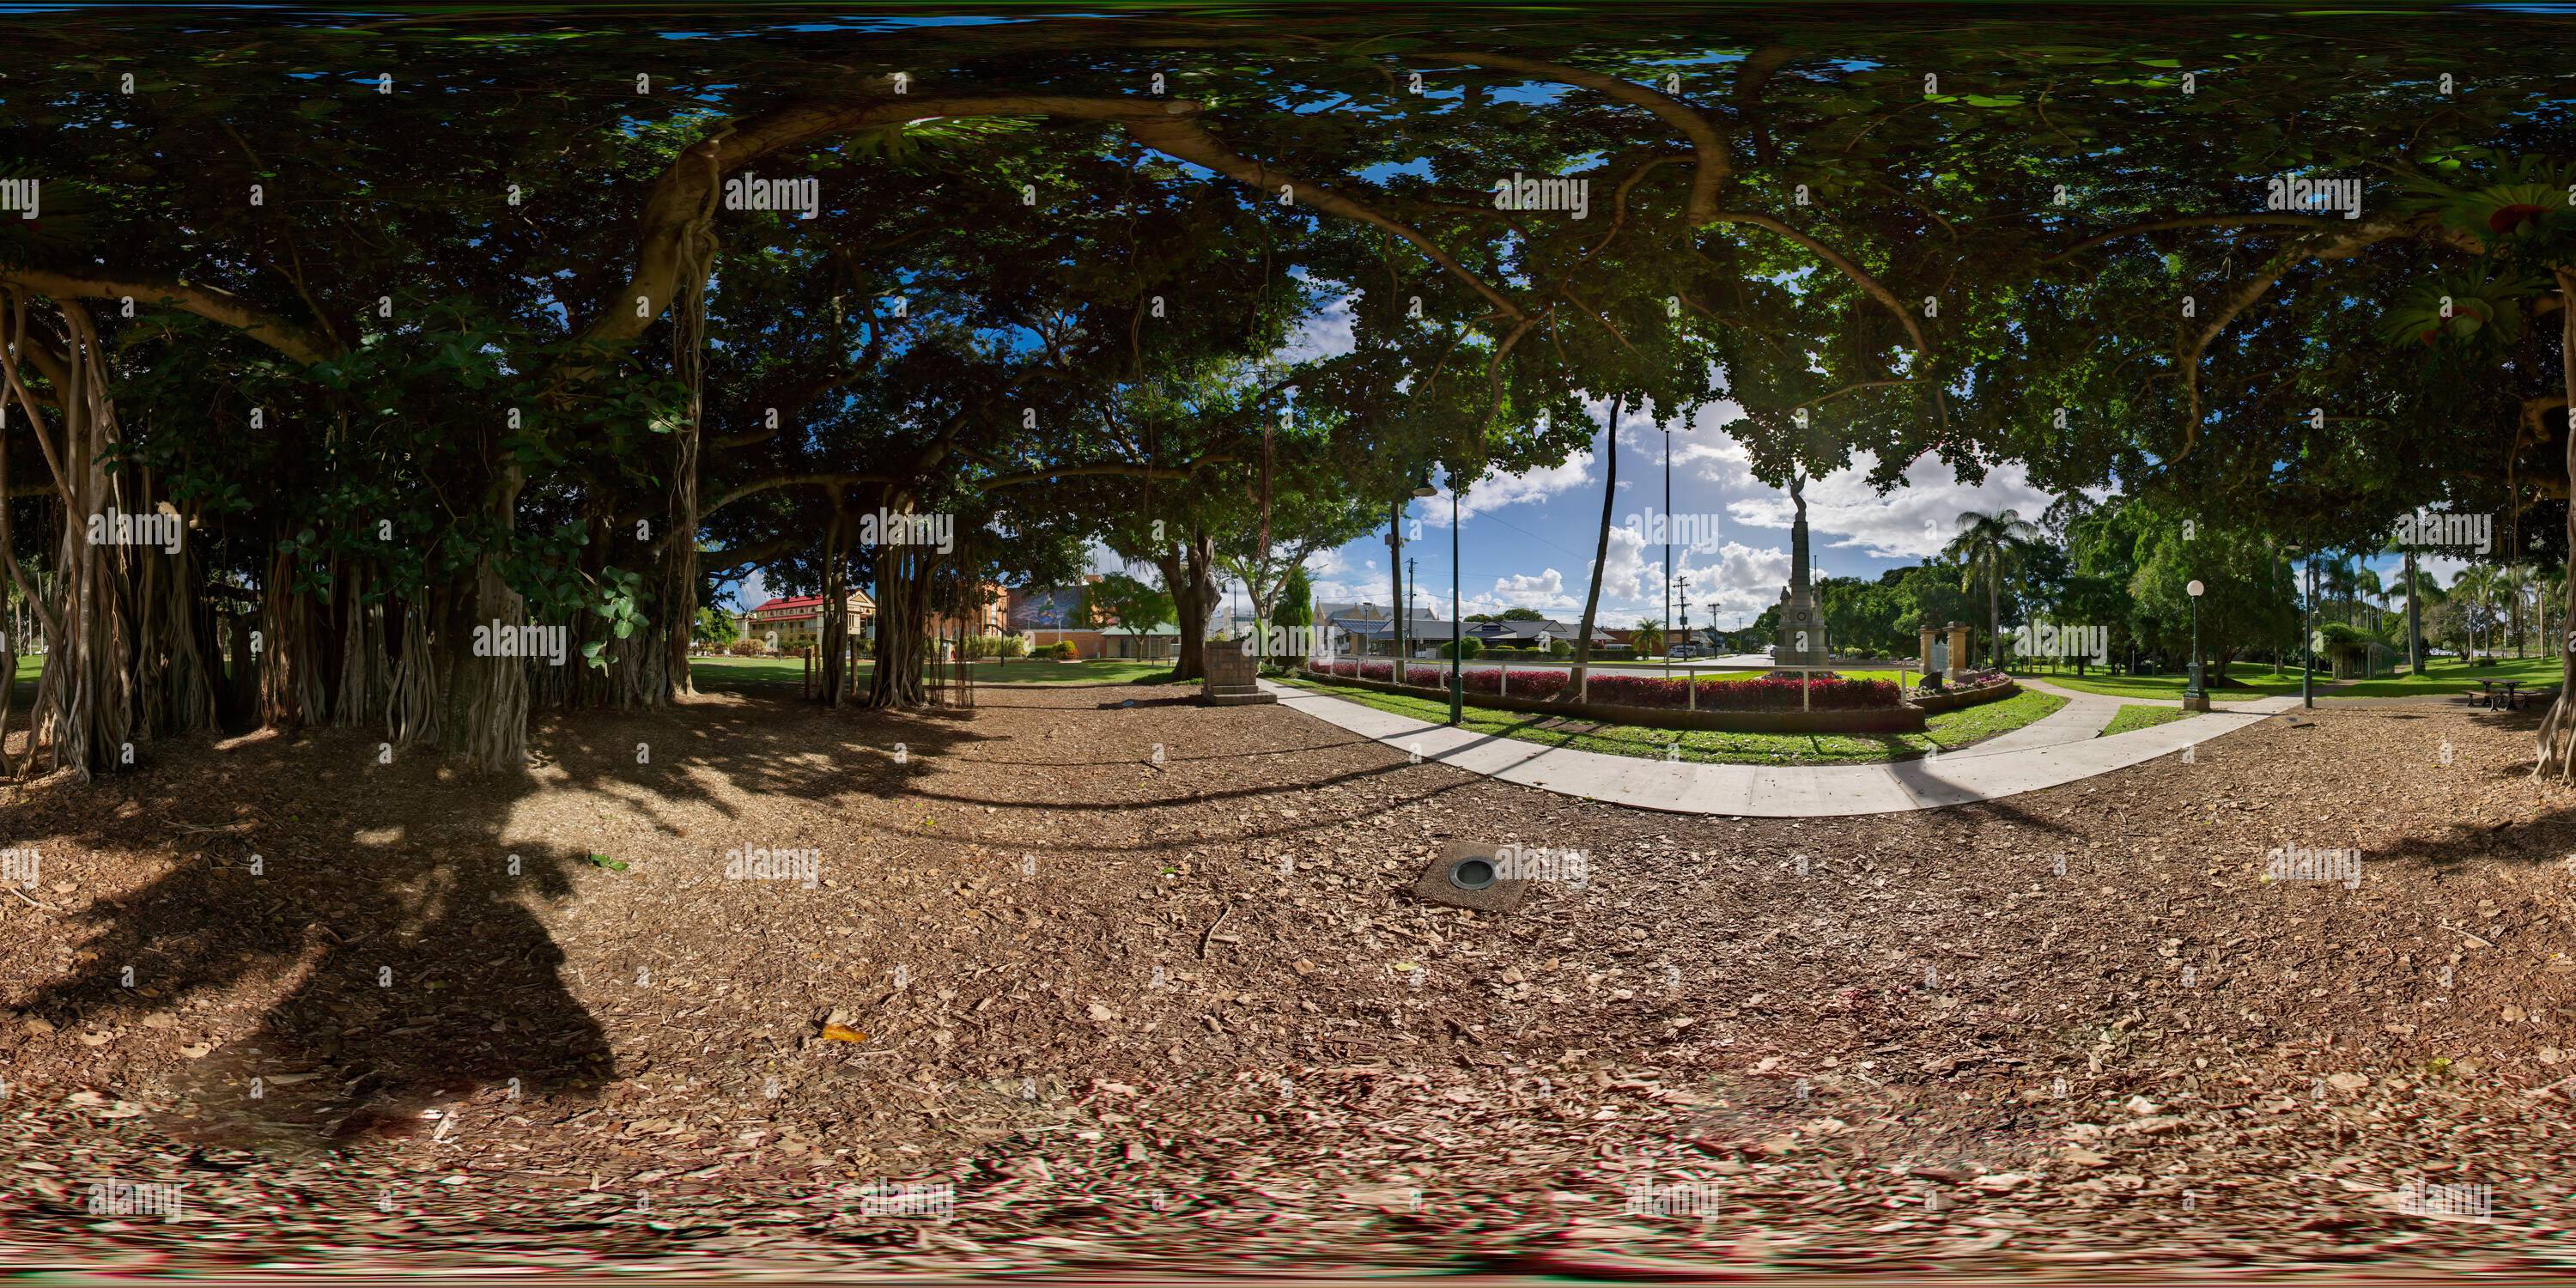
(2195, 696)
(2308, 642)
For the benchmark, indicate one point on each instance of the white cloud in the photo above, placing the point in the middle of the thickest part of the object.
(1323, 334)
(1911, 522)
(1545, 592)
(1511, 489)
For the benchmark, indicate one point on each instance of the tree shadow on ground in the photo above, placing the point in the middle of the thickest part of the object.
(383, 921)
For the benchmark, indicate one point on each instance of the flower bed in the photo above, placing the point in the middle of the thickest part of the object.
(1767, 693)
(1768, 704)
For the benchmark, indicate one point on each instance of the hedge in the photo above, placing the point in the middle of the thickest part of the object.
(1767, 693)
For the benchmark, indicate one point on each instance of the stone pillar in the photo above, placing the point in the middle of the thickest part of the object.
(1959, 659)
(1923, 648)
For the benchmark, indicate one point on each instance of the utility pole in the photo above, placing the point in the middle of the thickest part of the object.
(1668, 544)
(1457, 624)
(1395, 571)
(1408, 593)
(1685, 608)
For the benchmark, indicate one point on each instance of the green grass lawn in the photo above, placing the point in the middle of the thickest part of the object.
(2448, 675)
(2442, 676)
(741, 672)
(2130, 718)
(1947, 731)
(2252, 682)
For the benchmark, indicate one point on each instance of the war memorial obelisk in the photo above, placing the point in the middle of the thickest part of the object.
(1802, 620)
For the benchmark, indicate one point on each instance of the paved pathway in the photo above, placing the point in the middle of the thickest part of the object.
(2046, 753)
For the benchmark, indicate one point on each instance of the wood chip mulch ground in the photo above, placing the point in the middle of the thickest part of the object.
(1094, 978)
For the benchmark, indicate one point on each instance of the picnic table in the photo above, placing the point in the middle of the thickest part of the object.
(2493, 692)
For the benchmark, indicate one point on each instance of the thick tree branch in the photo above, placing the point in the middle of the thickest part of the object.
(1715, 164)
(681, 195)
(2309, 222)
(212, 303)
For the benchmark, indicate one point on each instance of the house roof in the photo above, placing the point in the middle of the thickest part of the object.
(808, 601)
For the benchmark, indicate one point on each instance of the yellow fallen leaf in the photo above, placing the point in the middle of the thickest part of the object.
(842, 1033)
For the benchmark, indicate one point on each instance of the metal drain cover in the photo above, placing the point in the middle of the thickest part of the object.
(1467, 876)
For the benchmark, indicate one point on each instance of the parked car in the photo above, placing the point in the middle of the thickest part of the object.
(1685, 652)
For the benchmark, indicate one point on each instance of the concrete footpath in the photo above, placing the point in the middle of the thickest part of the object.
(2059, 749)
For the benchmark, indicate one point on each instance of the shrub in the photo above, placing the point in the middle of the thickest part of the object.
(1560, 648)
(1465, 649)
(746, 647)
(1767, 693)
(1061, 650)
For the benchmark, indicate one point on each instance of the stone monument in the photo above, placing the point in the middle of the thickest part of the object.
(1230, 676)
(1802, 619)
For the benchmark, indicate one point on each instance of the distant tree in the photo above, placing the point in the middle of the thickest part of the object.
(1990, 547)
(716, 628)
(1138, 607)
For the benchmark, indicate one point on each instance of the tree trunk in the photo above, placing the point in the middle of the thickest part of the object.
(2557, 758)
(2414, 618)
(903, 626)
(290, 678)
(1575, 678)
(834, 638)
(412, 700)
(1189, 576)
(1995, 612)
(485, 715)
(85, 703)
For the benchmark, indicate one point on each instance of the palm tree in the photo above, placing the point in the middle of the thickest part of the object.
(2373, 593)
(2514, 582)
(2417, 588)
(2338, 585)
(2420, 588)
(1992, 544)
(2476, 588)
(1575, 677)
